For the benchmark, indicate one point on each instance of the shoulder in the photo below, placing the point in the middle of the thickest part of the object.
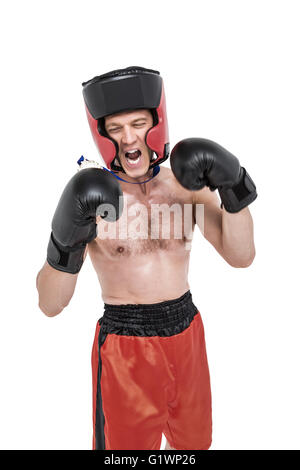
(165, 172)
(207, 197)
(168, 181)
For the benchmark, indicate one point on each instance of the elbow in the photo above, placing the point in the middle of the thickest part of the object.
(51, 311)
(242, 262)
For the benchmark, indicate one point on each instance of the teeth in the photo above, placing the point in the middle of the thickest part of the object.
(134, 162)
(132, 151)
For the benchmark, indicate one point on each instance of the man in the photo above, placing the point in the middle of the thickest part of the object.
(150, 371)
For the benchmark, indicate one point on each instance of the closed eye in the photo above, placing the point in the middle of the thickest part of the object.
(115, 129)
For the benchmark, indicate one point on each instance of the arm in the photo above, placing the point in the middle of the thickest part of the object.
(90, 192)
(230, 234)
(199, 164)
(55, 289)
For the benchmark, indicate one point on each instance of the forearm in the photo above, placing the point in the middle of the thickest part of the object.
(238, 238)
(55, 289)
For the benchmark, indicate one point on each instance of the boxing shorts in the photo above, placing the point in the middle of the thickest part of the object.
(151, 376)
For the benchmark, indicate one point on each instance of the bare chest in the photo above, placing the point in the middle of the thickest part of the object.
(161, 222)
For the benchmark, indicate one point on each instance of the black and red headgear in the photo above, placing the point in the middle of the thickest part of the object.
(124, 90)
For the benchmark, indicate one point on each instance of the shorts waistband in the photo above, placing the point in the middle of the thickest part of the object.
(160, 319)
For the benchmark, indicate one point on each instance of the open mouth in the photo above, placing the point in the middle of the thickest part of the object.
(133, 157)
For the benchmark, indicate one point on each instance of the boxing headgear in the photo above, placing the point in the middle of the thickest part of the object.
(125, 90)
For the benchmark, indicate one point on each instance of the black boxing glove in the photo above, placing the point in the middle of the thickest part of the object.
(90, 192)
(200, 162)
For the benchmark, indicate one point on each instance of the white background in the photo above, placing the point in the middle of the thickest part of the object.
(231, 72)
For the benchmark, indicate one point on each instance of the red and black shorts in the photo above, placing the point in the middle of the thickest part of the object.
(150, 376)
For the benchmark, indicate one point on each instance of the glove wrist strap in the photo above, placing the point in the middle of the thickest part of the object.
(237, 197)
(66, 259)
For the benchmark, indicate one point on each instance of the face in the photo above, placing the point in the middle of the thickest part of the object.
(129, 130)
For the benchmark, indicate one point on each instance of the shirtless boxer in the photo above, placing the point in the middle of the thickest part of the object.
(150, 372)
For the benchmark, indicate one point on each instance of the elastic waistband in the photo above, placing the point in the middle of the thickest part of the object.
(161, 319)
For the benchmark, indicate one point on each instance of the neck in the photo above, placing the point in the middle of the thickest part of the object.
(139, 185)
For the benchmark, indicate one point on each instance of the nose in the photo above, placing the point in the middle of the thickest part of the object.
(128, 135)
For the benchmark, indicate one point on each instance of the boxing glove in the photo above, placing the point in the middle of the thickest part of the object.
(199, 162)
(89, 193)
